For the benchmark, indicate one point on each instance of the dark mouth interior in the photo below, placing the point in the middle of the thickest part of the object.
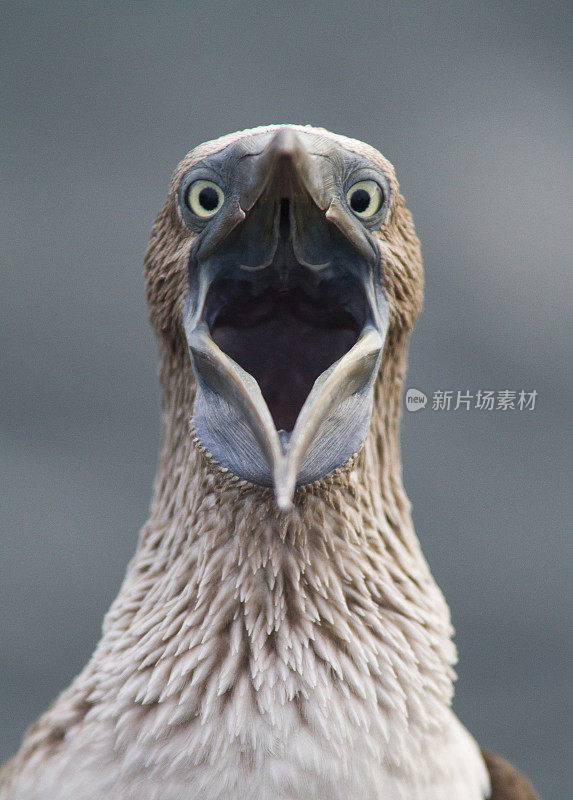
(285, 338)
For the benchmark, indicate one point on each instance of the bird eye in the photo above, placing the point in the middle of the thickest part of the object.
(204, 198)
(365, 198)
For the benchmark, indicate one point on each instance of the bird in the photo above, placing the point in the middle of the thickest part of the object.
(278, 634)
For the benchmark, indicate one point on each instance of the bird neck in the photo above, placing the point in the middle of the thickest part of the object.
(224, 589)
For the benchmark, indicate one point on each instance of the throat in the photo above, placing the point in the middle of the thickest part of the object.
(285, 340)
(248, 613)
(285, 352)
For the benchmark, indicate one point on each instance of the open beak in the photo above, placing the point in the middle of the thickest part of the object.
(285, 319)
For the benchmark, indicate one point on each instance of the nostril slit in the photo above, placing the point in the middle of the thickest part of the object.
(284, 224)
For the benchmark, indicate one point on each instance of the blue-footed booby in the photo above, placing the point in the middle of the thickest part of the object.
(278, 634)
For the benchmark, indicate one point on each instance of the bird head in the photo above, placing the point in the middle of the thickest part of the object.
(285, 267)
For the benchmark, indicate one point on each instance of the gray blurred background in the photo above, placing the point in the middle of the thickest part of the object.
(472, 103)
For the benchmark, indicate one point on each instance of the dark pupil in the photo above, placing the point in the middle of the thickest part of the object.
(208, 198)
(359, 200)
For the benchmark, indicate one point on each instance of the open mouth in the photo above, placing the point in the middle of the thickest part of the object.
(288, 332)
(285, 322)
(285, 340)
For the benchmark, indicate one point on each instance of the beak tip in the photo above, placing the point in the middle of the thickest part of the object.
(285, 484)
(284, 495)
(284, 503)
